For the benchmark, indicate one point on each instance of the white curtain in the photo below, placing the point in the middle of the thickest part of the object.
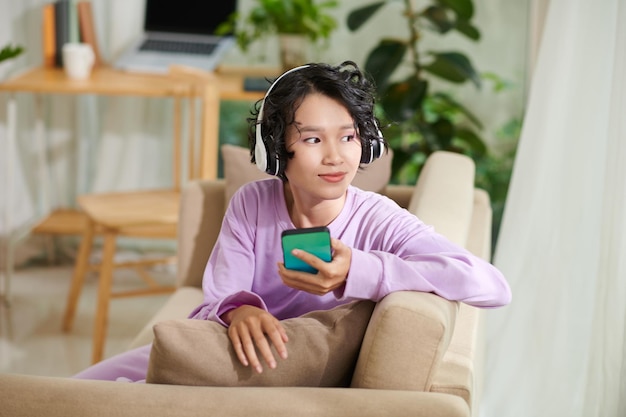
(559, 349)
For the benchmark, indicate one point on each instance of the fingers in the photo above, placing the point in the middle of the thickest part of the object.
(319, 284)
(330, 275)
(339, 248)
(249, 333)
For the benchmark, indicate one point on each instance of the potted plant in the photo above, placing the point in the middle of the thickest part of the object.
(422, 120)
(295, 22)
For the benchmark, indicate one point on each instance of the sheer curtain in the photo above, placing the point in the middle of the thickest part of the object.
(559, 348)
(93, 143)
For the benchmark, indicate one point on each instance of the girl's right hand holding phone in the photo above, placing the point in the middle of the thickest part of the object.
(330, 275)
(251, 327)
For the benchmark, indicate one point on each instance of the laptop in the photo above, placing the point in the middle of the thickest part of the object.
(179, 32)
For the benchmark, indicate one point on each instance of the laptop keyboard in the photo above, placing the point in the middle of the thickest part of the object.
(178, 47)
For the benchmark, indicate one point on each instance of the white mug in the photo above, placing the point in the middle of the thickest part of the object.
(78, 59)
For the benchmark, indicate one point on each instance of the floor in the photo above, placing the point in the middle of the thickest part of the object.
(31, 339)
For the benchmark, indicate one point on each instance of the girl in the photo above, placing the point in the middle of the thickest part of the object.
(313, 130)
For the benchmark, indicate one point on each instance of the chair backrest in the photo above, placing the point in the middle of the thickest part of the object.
(195, 157)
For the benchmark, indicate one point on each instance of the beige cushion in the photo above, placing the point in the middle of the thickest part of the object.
(414, 326)
(323, 347)
(238, 170)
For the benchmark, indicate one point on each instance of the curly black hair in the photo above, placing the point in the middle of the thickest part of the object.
(345, 83)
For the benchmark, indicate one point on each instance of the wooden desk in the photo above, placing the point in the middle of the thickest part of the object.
(111, 82)
(108, 81)
(227, 84)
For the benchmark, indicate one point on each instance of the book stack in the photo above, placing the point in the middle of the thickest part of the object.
(67, 21)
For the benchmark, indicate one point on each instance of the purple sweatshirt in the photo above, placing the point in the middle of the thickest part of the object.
(392, 250)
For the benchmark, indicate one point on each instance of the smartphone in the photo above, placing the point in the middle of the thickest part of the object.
(314, 240)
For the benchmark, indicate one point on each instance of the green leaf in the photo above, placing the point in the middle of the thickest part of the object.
(359, 16)
(455, 106)
(463, 8)
(466, 28)
(384, 60)
(443, 132)
(454, 67)
(499, 83)
(431, 143)
(475, 142)
(439, 18)
(9, 52)
(400, 159)
(403, 99)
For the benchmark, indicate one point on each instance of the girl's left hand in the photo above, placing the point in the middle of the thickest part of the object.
(330, 275)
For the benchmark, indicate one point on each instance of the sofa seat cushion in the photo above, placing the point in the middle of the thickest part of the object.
(323, 347)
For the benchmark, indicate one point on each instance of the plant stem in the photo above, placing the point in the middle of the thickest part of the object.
(415, 36)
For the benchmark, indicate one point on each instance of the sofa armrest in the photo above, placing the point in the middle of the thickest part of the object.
(460, 369)
(405, 341)
(444, 197)
(202, 209)
(460, 372)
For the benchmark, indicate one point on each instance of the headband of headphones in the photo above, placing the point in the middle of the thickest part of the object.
(267, 159)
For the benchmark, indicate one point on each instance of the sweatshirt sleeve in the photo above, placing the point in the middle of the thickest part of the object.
(229, 274)
(409, 255)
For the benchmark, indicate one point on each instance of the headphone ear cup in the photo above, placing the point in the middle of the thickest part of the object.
(265, 158)
(260, 153)
(374, 149)
(273, 164)
(378, 147)
(366, 153)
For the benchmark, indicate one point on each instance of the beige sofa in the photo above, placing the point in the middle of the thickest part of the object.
(432, 371)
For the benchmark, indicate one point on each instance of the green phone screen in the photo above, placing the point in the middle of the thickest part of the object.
(314, 240)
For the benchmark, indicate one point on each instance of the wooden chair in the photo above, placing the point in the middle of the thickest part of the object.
(146, 213)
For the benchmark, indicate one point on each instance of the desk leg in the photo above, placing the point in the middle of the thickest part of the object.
(44, 169)
(209, 145)
(8, 247)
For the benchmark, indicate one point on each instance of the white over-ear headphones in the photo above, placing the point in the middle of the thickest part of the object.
(266, 157)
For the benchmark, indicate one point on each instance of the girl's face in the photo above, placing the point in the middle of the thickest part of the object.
(327, 151)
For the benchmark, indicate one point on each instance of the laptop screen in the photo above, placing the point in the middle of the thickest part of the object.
(200, 17)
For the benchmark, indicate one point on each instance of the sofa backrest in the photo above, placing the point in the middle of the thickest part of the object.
(444, 195)
(202, 209)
